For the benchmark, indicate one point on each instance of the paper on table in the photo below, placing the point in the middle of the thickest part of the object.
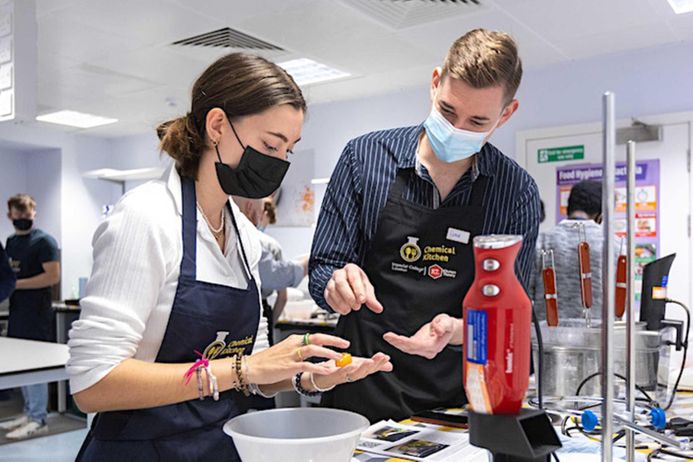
(417, 442)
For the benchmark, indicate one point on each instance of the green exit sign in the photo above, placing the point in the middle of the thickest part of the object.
(561, 154)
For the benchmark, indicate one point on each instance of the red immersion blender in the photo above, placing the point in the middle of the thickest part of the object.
(497, 320)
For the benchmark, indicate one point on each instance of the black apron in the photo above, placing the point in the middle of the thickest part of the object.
(421, 264)
(216, 319)
(31, 313)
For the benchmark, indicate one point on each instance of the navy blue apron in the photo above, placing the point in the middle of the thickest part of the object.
(219, 320)
(421, 264)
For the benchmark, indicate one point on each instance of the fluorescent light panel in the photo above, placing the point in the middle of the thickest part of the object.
(75, 119)
(306, 71)
(681, 6)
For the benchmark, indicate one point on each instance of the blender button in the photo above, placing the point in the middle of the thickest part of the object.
(491, 265)
(490, 290)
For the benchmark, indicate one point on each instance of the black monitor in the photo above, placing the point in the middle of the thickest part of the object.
(655, 278)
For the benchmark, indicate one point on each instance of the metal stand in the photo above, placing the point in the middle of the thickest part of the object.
(525, 437)
(608, 277)
(608, 281)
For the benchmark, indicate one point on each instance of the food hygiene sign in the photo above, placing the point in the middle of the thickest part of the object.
(646, 202)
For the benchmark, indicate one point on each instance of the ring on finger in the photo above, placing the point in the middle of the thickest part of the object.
(299, 354)
(306, 339)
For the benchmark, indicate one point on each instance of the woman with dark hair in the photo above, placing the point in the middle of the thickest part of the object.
(171, 341)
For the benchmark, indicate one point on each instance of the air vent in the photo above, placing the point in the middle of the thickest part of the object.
(228, 38)
(400, 14)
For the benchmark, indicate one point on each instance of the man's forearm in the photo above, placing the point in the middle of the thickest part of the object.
(40, 281)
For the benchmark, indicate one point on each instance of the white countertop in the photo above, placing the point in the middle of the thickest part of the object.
(17, 355)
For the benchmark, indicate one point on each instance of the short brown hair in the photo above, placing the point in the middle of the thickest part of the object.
(21, 202)
(240, 84)
(483, 58)
(271, 210)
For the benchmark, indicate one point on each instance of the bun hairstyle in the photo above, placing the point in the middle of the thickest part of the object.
(240, 84)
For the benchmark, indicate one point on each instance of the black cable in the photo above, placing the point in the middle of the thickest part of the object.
(669, 452)
(540, 353)
(637, 387)
(685, 350)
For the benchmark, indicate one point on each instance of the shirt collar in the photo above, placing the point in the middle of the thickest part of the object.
(482, 163)
(173, 183)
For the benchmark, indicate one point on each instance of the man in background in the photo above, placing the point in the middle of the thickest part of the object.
(34, 258)
(584, 211)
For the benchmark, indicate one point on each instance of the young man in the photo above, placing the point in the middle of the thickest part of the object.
(584, 211)
(396, 227)
(34, 258)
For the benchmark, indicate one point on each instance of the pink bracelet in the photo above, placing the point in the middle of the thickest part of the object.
(202, 362)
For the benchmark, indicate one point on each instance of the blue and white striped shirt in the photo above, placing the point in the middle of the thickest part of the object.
(358, 191)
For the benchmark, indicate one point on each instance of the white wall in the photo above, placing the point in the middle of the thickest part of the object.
(12, 181)
(43, 182)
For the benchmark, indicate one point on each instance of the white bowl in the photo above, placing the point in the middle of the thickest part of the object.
(296, 435)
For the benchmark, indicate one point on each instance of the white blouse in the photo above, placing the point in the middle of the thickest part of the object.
(137, 254)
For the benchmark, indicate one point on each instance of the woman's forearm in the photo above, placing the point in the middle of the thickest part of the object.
(135, 384)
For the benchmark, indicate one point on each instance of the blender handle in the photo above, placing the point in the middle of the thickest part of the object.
(621, 285)
(585, 274)
(550, 297)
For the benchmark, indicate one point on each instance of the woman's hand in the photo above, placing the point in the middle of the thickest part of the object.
(359, 368)
(289, 357)
(430, 339)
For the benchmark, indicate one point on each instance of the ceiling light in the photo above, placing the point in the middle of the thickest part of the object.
(306, 71)
(75, 119)
(681, 6)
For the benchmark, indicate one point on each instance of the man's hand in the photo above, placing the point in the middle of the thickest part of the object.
(348, 289)
(430, 339)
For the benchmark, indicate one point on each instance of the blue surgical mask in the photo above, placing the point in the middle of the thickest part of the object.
(450, 143)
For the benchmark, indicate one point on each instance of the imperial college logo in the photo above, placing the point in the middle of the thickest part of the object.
(410, 251)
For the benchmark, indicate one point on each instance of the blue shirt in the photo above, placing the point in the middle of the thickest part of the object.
(7, 277)
(358, 191)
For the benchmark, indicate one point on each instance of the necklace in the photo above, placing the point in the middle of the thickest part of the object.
(216, 232)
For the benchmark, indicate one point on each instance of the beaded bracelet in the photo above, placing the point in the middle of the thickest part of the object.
(200, 389)
(296, 382)
(242, 386)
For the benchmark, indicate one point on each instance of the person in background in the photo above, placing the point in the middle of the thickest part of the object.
(393, 246)
(34, 257)
(276, 273)
(584, 209)
(7, 276)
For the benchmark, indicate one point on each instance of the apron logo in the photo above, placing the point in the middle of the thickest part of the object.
(16, 265)
(436, 272)
(410, 251)
(220, 349)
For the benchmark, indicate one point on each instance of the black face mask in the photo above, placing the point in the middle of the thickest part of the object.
(256, 176)
(23, 224)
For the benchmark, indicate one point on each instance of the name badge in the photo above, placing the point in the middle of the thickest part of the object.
(458, 235)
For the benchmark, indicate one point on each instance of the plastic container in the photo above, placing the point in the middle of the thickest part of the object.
(296, 435)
